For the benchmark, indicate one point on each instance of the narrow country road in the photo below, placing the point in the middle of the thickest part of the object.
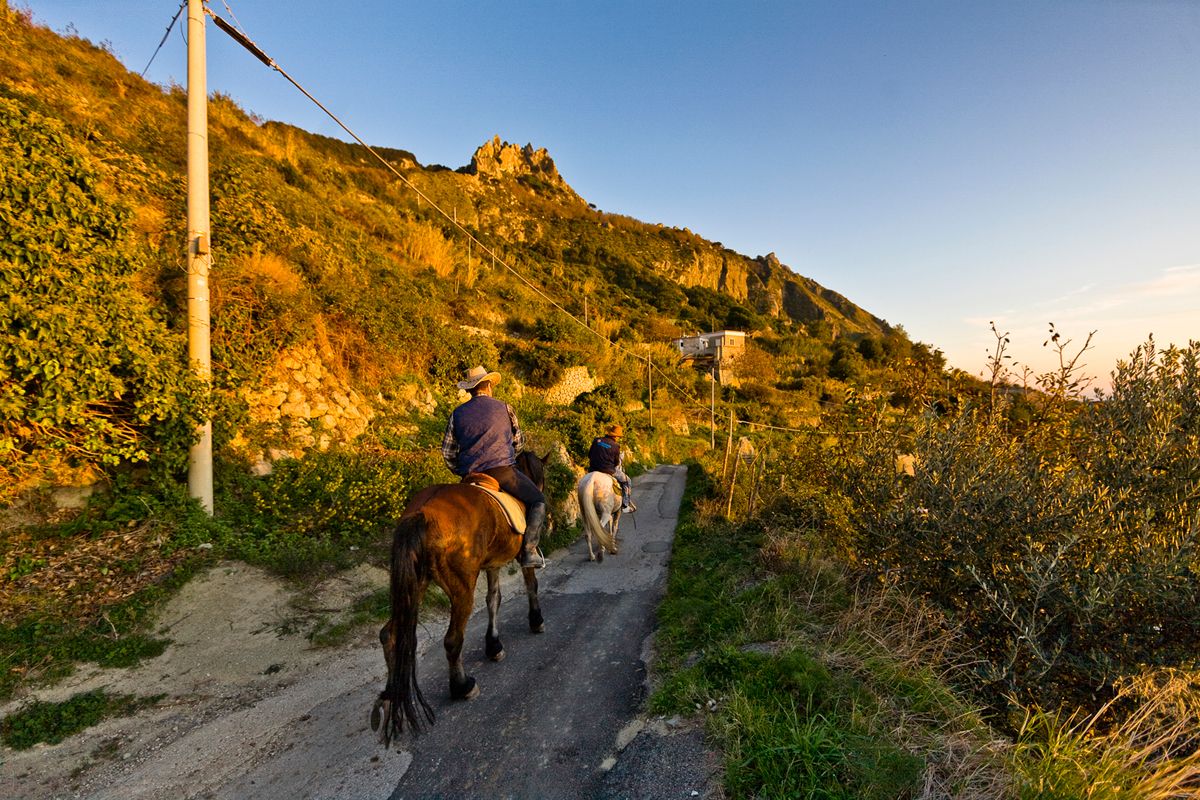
(557, 718)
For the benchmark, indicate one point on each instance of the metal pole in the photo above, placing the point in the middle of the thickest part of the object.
(650, 388)
(200, 470)
(712, 411)
(728, 447)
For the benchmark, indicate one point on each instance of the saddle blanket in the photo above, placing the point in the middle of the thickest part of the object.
(513, 508)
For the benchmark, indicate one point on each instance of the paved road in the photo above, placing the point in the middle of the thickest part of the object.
(558, 718)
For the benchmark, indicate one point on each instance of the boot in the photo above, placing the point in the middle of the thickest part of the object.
(535, 518)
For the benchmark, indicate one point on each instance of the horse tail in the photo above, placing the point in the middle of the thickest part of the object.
(410, 575)
(587, 506)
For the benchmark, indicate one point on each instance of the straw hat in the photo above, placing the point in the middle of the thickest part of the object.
(615, 431)
(476, 376)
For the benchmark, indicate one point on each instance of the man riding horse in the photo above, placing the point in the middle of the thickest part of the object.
(483, 436)
(605, 456)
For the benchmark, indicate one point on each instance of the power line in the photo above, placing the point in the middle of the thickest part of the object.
(245, 41)
(163, 41)
(241, 38)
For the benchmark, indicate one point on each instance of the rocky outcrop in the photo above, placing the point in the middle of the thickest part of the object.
(496, 159)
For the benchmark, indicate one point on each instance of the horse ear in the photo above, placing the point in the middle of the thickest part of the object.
(546, 457)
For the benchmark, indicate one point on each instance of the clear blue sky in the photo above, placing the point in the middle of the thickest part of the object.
(942, 164)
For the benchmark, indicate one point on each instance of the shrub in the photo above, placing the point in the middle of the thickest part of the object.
(90, 374)
(1066, 551)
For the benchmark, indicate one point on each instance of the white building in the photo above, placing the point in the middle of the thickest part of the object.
(711, 350)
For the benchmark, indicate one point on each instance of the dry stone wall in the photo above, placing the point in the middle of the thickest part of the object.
(574, 382)
(303, 404)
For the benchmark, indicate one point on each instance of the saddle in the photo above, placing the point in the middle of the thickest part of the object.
(617, 488)
(513, 508)
(616, 485)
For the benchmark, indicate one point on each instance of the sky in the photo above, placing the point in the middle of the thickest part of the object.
(944, 165)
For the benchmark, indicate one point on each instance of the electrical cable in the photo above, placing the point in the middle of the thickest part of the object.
(241, 38)
(163, 41)
(257, 52)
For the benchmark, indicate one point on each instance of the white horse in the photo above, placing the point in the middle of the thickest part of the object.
(601, 510)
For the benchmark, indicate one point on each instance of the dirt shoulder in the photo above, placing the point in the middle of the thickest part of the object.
(238, 635)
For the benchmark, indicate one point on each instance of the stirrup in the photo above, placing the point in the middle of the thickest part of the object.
(536, 560)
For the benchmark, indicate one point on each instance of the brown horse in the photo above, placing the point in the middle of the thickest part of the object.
(449, 533)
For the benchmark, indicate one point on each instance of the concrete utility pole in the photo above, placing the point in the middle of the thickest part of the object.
(200, 470)
(712, 410)
(650, 388)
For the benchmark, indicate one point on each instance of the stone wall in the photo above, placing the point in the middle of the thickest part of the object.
(574, 382)
(302, 405)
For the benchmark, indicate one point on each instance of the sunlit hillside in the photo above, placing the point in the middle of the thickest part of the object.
(381, 279)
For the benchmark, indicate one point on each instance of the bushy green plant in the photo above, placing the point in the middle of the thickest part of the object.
(1067, 550)
(321, 505)
(91, 375)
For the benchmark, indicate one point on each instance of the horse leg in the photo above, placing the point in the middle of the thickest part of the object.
(462, 599)
(606, 520)
(382, 710)
(492, 645)
(587, 529)
(536, 623)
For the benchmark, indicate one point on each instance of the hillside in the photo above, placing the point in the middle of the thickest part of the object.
(319, 247)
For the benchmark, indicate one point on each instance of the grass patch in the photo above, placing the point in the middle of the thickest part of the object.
(812, 689)
(1148, 753)
(52, 722)
(46, 646)
(370, 608)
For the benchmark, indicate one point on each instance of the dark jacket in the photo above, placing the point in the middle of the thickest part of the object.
(604, 455)
(482, 434)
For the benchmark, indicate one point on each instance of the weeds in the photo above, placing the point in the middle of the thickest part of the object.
(1150, 751)
(52, 722)
(815, 689)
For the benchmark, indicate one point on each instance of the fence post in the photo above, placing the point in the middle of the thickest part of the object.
(728, 447)
(732, 483)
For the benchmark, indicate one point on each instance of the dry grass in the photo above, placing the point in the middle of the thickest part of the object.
(428, 247)
(349, 353)
(275, 273)
(1152, 753)
(906, 649)
(73, 577)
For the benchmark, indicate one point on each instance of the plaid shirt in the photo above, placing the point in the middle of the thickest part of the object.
(450, 444)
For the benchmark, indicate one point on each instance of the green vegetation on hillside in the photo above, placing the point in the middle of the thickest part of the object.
(979, 604)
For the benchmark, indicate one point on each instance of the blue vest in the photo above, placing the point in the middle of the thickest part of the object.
(484, 434)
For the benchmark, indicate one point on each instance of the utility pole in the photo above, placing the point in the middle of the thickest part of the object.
(712, 410)
(650, 388)
(200, 469)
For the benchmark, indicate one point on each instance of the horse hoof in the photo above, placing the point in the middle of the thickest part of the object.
(468, 691)
(498, 656)
(538, 628)
(591, 556)
(378, 712)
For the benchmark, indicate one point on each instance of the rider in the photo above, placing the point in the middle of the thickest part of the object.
(483, 436)
(605, 456)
